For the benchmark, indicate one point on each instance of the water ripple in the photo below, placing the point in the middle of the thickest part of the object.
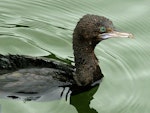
(124, 62)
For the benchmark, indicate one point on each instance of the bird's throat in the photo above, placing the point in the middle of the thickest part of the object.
(87, 68)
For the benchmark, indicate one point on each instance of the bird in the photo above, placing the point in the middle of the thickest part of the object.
(33, 75)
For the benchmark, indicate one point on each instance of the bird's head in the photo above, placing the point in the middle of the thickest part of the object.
(95, 28)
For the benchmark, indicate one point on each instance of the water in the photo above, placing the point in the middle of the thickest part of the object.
(47, 27)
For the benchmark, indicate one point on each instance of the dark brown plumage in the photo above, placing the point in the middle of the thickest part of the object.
(90, 30)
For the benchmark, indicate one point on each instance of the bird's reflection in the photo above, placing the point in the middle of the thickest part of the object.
(82, 100)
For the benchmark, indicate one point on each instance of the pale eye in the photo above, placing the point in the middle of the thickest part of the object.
(102, 29)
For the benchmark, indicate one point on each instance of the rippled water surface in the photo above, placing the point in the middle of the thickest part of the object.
(42, 27)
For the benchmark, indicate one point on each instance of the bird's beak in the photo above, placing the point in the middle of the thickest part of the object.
(114, 34)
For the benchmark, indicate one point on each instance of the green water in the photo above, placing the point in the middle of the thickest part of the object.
(47, 27)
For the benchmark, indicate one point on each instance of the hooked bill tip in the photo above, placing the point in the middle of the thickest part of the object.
(131, 35)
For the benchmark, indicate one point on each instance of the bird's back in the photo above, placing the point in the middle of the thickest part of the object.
(32, 75)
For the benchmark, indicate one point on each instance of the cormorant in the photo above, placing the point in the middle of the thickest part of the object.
(24, 74)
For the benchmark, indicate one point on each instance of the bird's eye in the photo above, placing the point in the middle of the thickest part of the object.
(102, 29)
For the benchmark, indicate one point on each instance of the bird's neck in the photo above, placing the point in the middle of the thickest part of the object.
(87, 68)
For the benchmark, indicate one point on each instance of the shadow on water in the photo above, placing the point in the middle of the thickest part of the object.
(82, 101)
